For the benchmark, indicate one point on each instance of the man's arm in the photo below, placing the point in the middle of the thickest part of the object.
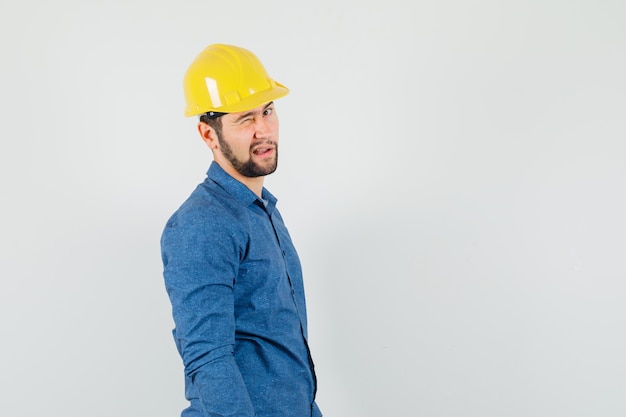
(200, 266)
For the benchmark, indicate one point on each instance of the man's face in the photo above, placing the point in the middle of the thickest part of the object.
(249, 141)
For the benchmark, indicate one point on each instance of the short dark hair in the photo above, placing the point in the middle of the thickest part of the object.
(214, 120)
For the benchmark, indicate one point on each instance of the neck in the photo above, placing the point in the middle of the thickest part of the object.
(255, 184)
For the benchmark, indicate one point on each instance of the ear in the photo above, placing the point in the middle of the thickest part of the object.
(208, 135)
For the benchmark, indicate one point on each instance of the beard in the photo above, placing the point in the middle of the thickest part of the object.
(248, 168)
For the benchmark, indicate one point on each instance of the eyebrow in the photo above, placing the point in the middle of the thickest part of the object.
(250, 113)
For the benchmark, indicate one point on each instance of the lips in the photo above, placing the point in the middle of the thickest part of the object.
(263, 149)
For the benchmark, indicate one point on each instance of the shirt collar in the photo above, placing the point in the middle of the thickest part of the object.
(238, 190)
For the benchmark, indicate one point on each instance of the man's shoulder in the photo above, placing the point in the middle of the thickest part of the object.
(208, 204)
(208, 219)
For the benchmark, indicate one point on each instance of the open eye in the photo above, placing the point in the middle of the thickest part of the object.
(268, 111)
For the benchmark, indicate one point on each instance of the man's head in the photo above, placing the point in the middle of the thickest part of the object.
(228, 87)
(243, 142)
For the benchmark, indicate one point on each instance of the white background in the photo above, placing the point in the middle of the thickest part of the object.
(452, 173)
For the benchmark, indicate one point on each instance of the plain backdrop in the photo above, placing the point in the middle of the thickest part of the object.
(452, 173)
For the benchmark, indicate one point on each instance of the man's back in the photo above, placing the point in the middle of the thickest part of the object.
(235, 283)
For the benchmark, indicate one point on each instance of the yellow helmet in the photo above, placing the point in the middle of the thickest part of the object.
(228, 79)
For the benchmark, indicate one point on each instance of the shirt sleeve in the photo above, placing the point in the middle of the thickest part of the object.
(201, 260)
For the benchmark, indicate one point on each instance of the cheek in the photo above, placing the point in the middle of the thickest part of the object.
(274, 128)
(243, 142)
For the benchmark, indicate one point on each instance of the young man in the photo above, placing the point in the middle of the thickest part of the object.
(231, 271)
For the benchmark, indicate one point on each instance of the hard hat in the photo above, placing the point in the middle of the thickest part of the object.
(228, 79)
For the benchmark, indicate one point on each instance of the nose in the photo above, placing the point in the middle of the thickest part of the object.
(262, 128)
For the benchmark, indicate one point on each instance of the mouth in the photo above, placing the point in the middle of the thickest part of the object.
(263, 151)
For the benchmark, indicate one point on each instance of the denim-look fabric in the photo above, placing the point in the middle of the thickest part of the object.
(235, 283)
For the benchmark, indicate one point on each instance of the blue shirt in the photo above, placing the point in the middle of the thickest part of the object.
(235, 283)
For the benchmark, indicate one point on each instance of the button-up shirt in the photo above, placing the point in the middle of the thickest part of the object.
(235, 284)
